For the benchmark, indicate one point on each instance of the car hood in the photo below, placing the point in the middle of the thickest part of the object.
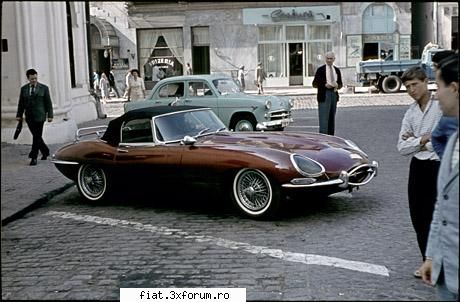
(316, 146)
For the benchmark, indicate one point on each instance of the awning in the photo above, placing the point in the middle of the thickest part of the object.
(108, 34)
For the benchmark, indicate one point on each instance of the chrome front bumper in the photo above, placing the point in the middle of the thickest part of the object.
(343, 181)
(270, 124)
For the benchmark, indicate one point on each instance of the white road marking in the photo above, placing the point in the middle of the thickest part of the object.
(293, 126)
(253, 249)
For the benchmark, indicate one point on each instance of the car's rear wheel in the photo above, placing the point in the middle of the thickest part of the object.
(92, 182)
(254, 194)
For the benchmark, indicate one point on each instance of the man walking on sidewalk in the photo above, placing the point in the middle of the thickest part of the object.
(35, 102)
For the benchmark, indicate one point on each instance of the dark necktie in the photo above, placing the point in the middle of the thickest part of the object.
(32, 90)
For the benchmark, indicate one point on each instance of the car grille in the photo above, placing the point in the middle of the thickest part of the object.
(360, 175)
(279, 115)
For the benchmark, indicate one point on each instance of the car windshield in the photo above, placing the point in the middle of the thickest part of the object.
(174, 126)
(226, 86)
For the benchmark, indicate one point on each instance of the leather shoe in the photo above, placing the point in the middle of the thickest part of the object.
(417, 274)
(33, 162)
(44, 157)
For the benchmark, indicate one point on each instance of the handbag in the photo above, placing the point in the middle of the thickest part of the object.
(18, 130)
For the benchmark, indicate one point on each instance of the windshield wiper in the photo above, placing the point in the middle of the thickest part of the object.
(221, 129)
(202, 131)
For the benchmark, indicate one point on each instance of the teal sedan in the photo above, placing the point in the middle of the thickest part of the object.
(237, 110)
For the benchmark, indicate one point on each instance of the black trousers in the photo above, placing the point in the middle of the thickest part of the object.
(423, 175)
(38, 144)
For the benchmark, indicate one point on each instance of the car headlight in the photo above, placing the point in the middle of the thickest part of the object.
(268, 104)
(307, 166)
(291, 103)
(354, 146)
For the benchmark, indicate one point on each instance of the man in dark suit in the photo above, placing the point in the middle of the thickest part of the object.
(328, 80)
(35, 102)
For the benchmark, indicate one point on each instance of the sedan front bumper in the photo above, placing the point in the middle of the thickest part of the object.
(274, 124)
(358, 176)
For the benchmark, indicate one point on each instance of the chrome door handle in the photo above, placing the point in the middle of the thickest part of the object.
(122, 150)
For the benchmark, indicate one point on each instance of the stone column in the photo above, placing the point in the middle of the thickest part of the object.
(37, 38)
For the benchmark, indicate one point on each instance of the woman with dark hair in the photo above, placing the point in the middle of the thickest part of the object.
(136, 87)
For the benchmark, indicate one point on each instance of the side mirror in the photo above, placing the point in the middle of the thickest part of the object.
(188, 140)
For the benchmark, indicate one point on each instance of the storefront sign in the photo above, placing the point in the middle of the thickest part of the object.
(120, 63)
(354, 49)
(162, 62)
(291, 14)
(281, 16)
(404, 47)
(378, 38)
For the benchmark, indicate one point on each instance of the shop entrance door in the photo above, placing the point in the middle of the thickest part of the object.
(295, 64)
(200, 60)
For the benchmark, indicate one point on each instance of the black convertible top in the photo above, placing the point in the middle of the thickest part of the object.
(112, 134)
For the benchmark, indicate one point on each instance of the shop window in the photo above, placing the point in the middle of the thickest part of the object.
(378, 18)
(315, 56)
(319, 32)
(299, 47)
(295, 33)
(378, 51)
(270, 33)
(273, 59)
(161, 53)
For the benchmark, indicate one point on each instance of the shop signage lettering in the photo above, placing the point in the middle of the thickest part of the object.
(279, 16)
(163, 61)
(121, 63)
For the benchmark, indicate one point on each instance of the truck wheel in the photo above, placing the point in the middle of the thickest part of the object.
(391, 84)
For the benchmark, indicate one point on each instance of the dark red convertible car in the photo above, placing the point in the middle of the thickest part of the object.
(190, 145)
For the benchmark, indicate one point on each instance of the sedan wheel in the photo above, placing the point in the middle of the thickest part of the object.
(244, 125)
(92, 182)
(254, 195)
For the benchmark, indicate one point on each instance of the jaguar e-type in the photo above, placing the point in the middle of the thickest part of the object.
(191, 145)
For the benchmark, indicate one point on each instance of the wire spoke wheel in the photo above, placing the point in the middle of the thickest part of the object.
(92, 182)
(253, 193)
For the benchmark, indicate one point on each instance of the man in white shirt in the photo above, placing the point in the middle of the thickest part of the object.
(415, 140)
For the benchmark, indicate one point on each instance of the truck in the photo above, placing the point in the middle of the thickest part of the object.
(386, 74)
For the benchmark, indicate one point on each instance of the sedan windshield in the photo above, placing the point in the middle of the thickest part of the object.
(226, 86)
(174, 126)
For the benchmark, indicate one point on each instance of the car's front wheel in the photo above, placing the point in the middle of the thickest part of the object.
(92, 182)
(243, 122)
(254, 194)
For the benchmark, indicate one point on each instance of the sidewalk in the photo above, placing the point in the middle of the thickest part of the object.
(25, 188)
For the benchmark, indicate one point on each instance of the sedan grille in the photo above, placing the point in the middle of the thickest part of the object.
(279, 115)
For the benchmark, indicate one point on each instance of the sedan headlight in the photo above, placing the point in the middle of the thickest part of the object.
(291, 103)
(268, 104)
(307, 166)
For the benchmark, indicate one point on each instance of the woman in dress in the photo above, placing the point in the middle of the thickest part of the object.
(136, 88)
(104, 86)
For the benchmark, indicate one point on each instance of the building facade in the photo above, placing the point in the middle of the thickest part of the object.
(51, 38)
(288, 38)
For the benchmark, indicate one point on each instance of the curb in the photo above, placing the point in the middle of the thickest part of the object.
(35, 204)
